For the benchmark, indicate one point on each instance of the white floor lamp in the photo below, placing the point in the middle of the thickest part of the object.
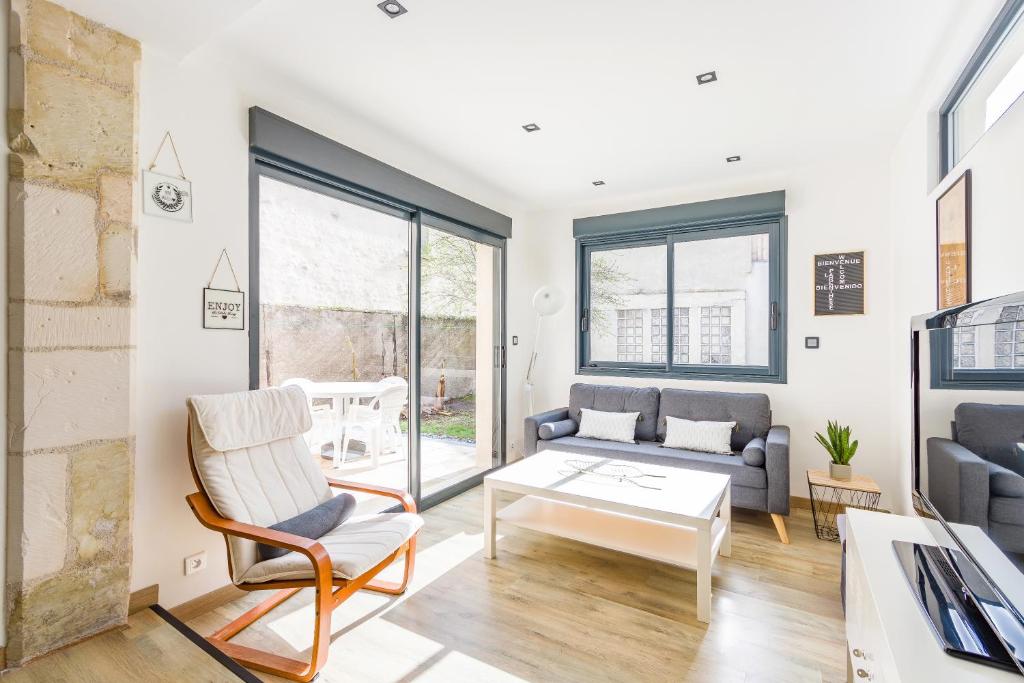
(546, 302)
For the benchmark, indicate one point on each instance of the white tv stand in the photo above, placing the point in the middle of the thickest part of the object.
(888, 638)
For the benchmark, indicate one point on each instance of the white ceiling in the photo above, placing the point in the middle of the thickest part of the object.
(611, 83)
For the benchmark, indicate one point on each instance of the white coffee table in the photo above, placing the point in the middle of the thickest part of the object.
(670, 514)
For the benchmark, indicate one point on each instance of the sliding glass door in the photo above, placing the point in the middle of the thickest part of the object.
(460, 355)
(390, 321)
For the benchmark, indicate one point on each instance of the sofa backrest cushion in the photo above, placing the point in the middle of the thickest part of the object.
(992, 432)
(610, 399)
(751, 412)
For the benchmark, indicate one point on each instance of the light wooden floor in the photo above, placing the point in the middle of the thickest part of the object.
(545, 610)
(148, 649)
(548, 609)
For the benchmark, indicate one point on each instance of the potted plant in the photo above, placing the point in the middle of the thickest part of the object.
(840, 449)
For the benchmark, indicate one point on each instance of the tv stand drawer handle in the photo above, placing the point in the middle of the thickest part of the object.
(861, 673)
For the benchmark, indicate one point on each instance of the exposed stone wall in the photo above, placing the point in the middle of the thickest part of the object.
(324, 344)
(72, 127)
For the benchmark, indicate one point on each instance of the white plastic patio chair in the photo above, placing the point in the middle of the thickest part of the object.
(380, 420)
(324, 426)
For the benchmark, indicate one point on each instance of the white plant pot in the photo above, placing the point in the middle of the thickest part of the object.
(840, 472)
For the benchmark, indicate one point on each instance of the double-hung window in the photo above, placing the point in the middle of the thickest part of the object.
(718, 266)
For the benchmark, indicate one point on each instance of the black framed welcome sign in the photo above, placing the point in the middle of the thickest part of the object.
(839, 283)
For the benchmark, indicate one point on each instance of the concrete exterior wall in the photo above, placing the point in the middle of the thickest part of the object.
(324, 344)
(72, 124)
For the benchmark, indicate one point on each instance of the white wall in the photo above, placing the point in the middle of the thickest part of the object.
(835, 206)
(205, 106)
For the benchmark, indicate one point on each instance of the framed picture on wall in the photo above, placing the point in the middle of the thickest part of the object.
(953, 243)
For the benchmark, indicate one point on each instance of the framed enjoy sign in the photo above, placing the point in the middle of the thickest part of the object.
(223, 309)
(839, 283)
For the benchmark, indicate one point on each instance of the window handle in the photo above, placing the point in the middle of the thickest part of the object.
(585, 320)
(773, 316)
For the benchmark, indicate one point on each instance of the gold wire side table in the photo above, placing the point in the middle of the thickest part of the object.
(832, 497)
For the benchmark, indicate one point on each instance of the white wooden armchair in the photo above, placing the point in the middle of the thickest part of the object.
(253, 470)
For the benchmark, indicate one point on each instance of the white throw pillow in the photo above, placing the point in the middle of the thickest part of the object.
(707, 437)
(596, 424)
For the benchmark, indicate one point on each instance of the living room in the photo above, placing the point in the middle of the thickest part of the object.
(581, 238)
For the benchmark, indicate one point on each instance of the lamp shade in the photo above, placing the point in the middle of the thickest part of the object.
(548, 301)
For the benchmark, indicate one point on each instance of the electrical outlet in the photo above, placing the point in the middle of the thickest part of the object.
(195, 563)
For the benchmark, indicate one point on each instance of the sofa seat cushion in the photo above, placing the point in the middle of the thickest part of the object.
(610, 399)
(751, 412)
(1006, 510)
(1003, 482)
(993, 432)
(355, 547)
(654, 453)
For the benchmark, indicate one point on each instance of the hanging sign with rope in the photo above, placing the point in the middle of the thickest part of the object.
(223, 309)
(168, 196)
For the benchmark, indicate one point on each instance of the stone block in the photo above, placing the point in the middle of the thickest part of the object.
(117, 260)
(117, 194)
(101, 520)
(53, 244)
(63, 398)
(39, 326)
(39, 491)
(66, 607)
(77, 127)
(60, 36)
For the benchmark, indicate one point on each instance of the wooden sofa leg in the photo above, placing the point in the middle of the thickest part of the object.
(780, 526)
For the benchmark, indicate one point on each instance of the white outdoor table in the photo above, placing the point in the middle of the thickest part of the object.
(342, 396)
(674, 515)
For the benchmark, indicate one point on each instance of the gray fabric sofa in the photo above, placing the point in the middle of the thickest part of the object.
(977, 477)
(759, 466)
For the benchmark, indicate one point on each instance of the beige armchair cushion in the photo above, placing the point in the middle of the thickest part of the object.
(355, 547)
(256, 468)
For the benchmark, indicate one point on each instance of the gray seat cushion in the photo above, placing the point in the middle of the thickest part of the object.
(643, 400)
(1003, 482)
(1006, 510)
(656, 454)
(993, 432)
(751, 412)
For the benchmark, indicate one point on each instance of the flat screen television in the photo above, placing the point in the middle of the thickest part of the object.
(968, 478)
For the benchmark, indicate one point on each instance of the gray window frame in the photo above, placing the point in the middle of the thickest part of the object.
(990, 44)
(668, 235)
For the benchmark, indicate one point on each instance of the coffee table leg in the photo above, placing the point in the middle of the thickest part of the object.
(704, 573)
(490, 509)
(725, 513)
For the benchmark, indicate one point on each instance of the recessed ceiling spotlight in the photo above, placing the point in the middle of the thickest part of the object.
(598, 183)
(709, 77)
(733, 158)
(531, 127)
(392, 9)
